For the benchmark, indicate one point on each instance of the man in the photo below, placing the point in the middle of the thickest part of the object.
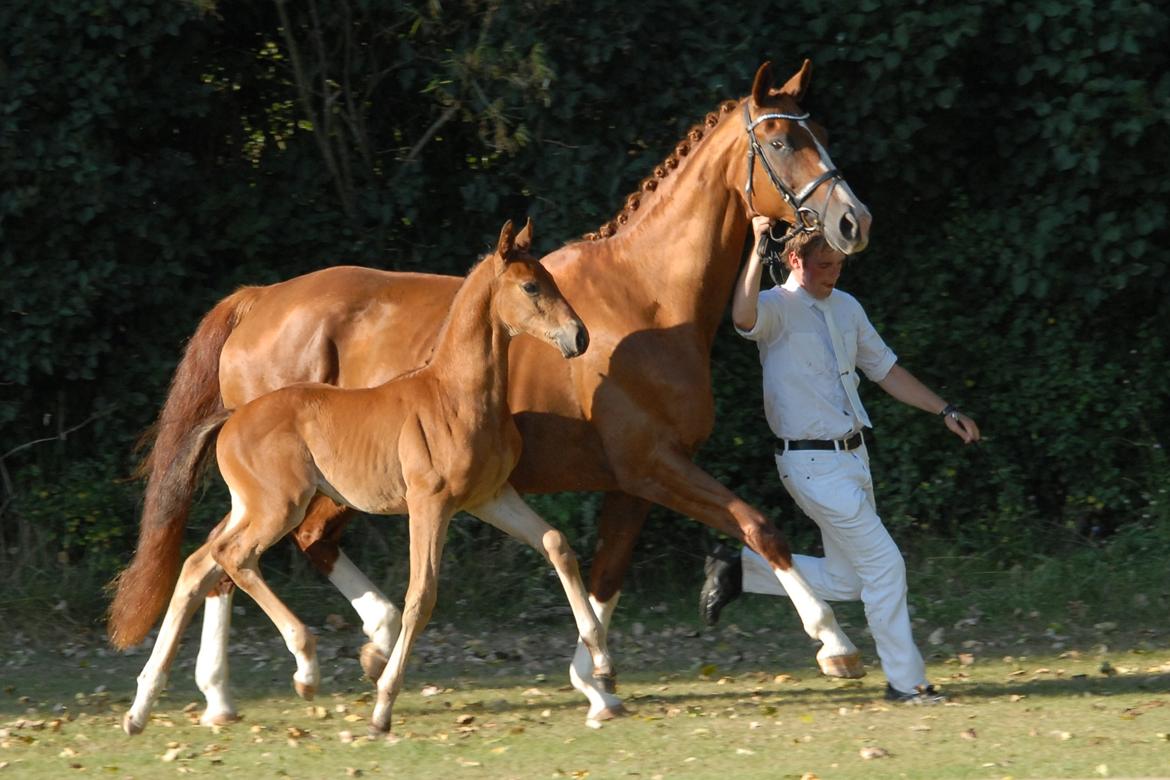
(812, 339)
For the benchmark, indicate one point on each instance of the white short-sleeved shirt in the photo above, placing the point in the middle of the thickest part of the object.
(803, 394)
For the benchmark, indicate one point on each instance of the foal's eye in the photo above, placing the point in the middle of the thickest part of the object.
(530, 288)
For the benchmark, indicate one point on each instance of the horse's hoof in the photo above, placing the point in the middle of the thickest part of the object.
(379, 730)
(608, 682)
(130, 726)
(847, 667)
(218, 718)
(373, 661)
(608, 713)
(304, 690)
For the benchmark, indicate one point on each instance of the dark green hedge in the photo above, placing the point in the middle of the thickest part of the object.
(155, 155)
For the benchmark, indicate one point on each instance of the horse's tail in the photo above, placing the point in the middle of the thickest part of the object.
(179, 452)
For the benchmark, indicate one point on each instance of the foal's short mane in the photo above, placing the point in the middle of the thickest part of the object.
(662, 170)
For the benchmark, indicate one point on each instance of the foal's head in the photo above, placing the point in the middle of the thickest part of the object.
(526, 297)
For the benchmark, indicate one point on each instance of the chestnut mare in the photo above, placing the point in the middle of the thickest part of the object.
(429, 443)
(626, 419)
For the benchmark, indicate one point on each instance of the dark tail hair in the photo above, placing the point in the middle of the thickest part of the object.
(179, 451)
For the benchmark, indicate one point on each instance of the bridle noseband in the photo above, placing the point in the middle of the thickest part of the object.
(807, 219)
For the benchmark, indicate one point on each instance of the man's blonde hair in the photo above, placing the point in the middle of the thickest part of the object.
(803, 243)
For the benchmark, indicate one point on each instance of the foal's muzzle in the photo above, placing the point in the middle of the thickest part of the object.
(573, 339)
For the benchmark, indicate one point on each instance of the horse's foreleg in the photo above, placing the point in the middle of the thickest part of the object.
(513, 516)
(319, 536)
(428, 534)
(675, 482)
(198, 576)
(211, 666)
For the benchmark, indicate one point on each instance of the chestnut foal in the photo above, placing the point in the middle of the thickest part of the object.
(429, 443)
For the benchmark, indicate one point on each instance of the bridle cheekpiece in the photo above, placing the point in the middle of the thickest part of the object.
(807, 219)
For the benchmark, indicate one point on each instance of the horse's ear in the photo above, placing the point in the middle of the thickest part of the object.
(524, 238)
(762, 84)
(798, 84)
(504, 245)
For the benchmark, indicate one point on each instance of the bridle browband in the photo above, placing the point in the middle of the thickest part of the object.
(806, 220)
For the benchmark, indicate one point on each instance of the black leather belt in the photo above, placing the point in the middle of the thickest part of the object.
(843, 445)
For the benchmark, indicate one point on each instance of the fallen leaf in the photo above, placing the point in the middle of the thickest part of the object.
(869, 753)
(968, 734)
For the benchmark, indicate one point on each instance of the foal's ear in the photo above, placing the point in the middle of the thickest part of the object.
(524, 238)
(762, 84)
(504, 245)
(798, 84)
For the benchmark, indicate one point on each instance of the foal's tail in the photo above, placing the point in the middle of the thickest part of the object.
(179, 452)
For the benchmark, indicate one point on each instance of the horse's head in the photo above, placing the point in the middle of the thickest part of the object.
(790, 176)
(527, 299)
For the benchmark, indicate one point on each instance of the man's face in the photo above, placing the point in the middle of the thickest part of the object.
(819, 270)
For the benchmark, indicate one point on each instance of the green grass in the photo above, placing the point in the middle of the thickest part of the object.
(740, 701)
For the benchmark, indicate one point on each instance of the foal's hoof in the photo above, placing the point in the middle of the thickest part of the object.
(373, 661)
(130, 726)
(304, 690)
(848, 667)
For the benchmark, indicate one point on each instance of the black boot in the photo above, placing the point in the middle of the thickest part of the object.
(723, 584)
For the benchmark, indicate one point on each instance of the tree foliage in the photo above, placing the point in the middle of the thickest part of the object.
(154, 156)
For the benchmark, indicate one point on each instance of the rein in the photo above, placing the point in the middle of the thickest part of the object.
(807, 219)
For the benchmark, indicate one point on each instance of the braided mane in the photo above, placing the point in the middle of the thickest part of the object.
(662, 170)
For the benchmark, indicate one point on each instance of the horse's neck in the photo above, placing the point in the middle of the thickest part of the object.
(471, 354)
(681, 249)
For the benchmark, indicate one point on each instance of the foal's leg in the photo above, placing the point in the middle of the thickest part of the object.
(513, 516)
(428, 533)
(238, 551)
(319, 536)
(198, 576)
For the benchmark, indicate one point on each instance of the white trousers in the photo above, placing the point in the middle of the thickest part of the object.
(861, 559)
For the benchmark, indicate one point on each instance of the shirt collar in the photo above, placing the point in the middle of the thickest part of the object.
(793, 286)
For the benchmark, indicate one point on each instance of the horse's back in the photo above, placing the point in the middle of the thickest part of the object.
(347, 326)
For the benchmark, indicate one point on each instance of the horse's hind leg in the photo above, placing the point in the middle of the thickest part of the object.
(319, 536)
(211, 666)
(513, 516)
(619, 525)
(198, 576)
(428, 534)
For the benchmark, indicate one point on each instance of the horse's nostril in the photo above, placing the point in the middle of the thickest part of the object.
(848, 226)
(582, 340)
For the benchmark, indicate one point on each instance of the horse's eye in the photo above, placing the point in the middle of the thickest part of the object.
(778, 145)
(530, 288)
